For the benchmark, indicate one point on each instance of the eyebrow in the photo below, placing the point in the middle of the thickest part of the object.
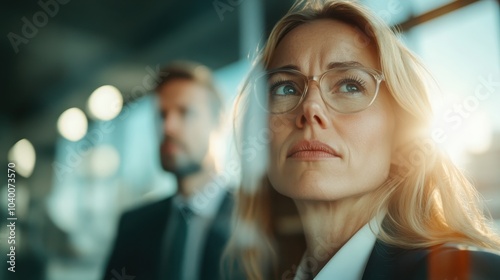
(344, 64)
(330, 65)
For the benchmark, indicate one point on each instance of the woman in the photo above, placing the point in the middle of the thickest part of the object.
(348, 142)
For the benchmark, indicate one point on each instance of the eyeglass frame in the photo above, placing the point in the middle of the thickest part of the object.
(376, 74)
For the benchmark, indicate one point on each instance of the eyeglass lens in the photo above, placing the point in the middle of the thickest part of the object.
(345, 90)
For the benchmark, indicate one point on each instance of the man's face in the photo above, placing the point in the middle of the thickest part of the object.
(187, 122)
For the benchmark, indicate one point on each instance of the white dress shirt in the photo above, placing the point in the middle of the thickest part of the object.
(204, 206)
(350, 261)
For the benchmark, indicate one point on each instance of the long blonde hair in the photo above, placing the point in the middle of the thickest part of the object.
(427, 199)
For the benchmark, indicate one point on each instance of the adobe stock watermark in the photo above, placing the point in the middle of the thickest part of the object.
(121, 276)
(364, 37)
(75, 154)
(220, 182)
(419, 149)
(453, 118)
(232, 168)
(149, 82)
(393, 7)
(30, 28)
(223, 6)
(257, 143)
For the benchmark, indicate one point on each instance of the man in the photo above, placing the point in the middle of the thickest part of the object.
(181, 237)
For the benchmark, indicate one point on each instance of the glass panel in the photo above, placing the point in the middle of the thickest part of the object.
(461, 49)
(422, 6)
(392, 11)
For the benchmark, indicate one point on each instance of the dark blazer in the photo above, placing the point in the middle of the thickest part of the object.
(445, 262)
(137, 249)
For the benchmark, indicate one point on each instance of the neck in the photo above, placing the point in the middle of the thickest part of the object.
(191, 184)
(328, 225)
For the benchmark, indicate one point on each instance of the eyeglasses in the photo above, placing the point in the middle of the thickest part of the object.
(346, 89)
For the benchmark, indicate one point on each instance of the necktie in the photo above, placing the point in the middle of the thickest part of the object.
(177, 249)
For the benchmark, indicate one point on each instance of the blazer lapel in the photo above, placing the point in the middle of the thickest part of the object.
(155, 238)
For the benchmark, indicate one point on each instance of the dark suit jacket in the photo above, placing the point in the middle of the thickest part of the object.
(445, 262)
(138, 246)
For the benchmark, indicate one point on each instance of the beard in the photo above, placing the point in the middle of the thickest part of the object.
(181, 170)
(182, 163)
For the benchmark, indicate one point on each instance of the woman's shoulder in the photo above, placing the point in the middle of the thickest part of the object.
(457, 261)
(446, 261)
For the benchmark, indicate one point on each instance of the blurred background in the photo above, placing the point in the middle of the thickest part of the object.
(77, 117)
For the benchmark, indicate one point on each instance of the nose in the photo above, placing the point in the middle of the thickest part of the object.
(171, 124)
(314, 111)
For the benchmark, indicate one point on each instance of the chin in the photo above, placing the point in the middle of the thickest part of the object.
(312, 190)
(168, 166)
(322, 189)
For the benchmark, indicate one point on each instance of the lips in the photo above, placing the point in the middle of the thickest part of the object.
(171, 146)
(312, 149)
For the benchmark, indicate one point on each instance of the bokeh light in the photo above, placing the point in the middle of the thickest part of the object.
(105, 103)
(104, 161)
(72, 124)
(24, 156)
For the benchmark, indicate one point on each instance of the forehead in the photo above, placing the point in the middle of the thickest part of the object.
(313, 45)
(182, 92)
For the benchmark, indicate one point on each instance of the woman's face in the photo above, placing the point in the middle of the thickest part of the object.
(316, 152)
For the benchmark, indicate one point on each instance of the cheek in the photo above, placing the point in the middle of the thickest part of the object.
(370, 135)
(198, 134)
(279, 127)
(369, 141)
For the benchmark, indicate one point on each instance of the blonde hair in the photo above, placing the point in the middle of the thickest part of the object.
(427, 199)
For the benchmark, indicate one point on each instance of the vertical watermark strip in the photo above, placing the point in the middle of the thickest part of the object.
(11, 218)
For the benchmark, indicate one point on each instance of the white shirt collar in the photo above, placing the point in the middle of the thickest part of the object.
(350, 261)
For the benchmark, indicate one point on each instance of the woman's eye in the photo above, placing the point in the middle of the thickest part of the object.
(349, 88)
(286, 89)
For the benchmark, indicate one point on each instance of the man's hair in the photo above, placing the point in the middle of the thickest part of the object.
(196, 72)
